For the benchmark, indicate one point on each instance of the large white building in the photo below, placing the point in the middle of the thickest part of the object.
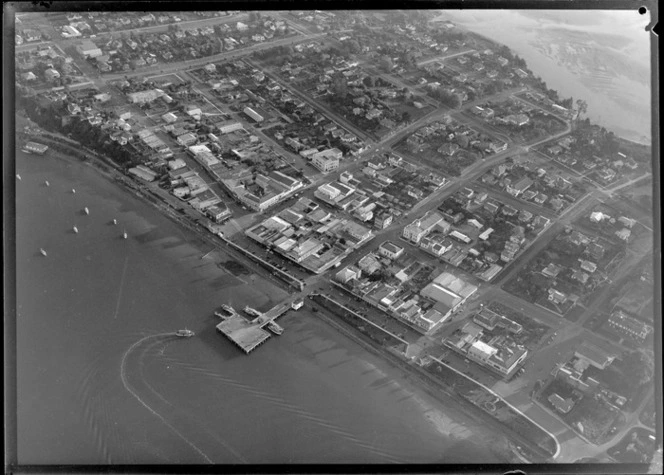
(253, 114)
(327, 160)
(419, 228)
(449, 292)
(142, 97)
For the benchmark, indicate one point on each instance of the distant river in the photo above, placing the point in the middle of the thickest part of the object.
(101, 378)
(602, 57)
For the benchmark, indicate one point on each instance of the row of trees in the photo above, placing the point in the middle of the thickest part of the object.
(49, 117)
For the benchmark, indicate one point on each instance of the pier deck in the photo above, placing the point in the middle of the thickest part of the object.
(248, 335)
(245, 335)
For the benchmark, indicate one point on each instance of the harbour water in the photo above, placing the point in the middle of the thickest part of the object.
(102, 379)
(602, 57)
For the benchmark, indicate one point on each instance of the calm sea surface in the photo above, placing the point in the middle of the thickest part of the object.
(602, 57)
(101, 379)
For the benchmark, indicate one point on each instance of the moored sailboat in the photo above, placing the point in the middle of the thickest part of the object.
(75, 229)
(41, 249)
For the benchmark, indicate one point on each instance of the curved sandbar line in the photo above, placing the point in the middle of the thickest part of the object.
(555, 439)
(138, 398)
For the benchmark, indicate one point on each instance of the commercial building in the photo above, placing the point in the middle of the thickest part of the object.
(169, 118)
(229, 126)
(34, 147)
(253, 114)
(265, 191)
(88, 49)
(390, 250)
(70, 32)
(143, 173)
(187, 139)
(495, 352)
(327, 160)
(419, 228)
(594, 355)
(448, 292)
(629, 326)
(310, 236)
(142, 97)
(219, 212)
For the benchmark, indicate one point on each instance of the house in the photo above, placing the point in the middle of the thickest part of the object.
(88, 49)
(594, 355)
(176, 164)
(552, 270)
(519, 187)
(588, 266)
(347, 274)
(373, 114)
(627, 222)
(555, 150)
(580, 276)
(561, 405)
(29, 76)
(598, 216)
(169, 118)
(187, 139)
(624, 234)
(448, 149)
(521, 73)
(390, 250)
(51, 74)
(369, 264)
(556, 296)
(485, 234)
(596, 251)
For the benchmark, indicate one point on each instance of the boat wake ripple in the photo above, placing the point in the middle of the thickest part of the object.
(134, 392)
(91, 415)
(289, 407)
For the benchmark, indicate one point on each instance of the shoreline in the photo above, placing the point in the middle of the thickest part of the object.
(409, 374)
(429, 385)
(442, 18)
